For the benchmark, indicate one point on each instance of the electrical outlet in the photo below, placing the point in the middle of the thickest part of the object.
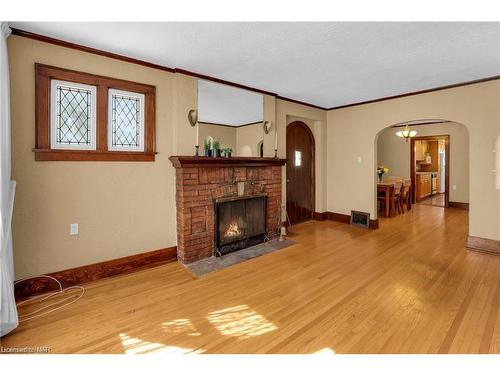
(73, 229)
(454, 187)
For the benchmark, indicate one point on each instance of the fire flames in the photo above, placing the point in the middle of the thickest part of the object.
(232, 231)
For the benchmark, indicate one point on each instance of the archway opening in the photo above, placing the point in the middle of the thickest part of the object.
(431, 168)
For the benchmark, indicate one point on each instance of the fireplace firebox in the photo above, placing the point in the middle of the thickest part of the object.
(240, 222)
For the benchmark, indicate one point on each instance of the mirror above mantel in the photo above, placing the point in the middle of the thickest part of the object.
(230, 117)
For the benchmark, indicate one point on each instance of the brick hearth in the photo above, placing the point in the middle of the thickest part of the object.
(201, 180)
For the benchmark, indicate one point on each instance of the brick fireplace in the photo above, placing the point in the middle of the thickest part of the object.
(201, 181)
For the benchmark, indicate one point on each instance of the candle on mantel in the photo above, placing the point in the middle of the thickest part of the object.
(197, 134)
(276, 139)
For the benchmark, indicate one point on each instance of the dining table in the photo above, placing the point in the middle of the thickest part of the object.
(388, 190)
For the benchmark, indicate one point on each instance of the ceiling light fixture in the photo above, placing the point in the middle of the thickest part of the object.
(406, 133)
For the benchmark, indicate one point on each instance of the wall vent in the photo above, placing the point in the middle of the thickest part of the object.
(361, 219)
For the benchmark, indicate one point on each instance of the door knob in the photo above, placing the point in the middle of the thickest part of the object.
(287, 180)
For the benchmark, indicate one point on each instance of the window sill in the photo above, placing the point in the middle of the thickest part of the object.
(91, 155)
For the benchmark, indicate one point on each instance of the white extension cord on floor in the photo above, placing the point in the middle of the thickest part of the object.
(43, 310)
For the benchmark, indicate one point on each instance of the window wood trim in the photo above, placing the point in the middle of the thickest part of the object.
(45, 73)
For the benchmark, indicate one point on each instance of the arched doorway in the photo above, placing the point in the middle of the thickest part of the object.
(433, 182)
(300, 182)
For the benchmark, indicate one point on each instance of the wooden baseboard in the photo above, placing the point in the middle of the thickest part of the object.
(373, 223)
(97, 271)
(340, 218)
(319, 216)
(483, 244)
(460, 205)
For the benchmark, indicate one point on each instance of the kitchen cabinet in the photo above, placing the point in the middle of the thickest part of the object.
(431, 158)
(421, 149)
(423, 186)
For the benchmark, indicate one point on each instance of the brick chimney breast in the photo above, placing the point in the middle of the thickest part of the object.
(201, 180)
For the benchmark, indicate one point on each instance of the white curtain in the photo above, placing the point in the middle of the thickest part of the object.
(8, 311)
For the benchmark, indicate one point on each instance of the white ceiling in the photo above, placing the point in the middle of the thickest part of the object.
(326, 64)
(222, 104)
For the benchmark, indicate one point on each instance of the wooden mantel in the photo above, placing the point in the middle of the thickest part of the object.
(236, 161)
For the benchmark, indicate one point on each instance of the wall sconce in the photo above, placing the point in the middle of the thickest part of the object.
(193, 117)
(267, 125)
(193, 120)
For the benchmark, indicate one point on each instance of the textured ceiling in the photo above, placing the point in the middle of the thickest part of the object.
(326, 64)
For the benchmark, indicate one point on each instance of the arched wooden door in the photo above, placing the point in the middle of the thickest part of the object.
(299, 172)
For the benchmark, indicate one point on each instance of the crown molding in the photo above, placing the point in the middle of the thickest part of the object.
(95, 51)
(421, 123)
(222, 81)
(63, 43)
(439, 88)
(116, 56)
(302, 103)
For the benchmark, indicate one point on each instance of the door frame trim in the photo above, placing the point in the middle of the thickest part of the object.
(446, 169)
(313, 162)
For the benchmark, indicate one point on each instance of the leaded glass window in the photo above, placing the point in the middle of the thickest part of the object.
(73, 120)
(125, 121)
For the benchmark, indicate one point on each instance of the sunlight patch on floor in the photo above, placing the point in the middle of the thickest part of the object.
(240, 321)
(180, 326)
(325, 351)
(132, 345)
(407, 296)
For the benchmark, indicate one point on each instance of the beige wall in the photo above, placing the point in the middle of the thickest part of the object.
(184, 92)
(122, 207)
(394, 153)
(270, 115)
(225, 134)
(251, 136)
(352, 133)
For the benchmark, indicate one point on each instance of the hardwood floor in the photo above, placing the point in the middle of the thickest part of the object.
(434, 200)
(408, 287)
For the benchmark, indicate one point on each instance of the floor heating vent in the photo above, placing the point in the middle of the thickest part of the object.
(361, 219)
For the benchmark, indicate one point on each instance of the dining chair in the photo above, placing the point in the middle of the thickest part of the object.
(396, 198)
(393, 202)
(405, 195)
